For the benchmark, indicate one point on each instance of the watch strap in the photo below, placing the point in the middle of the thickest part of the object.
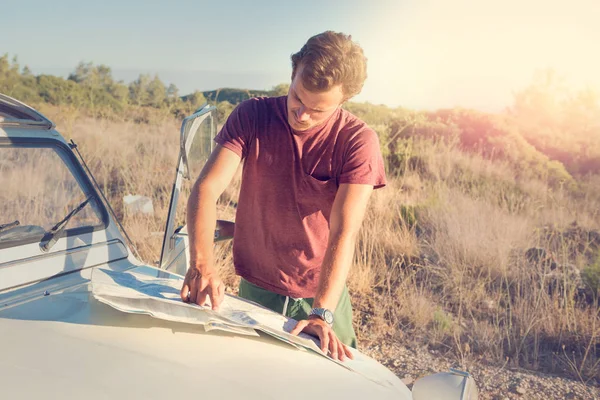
(320, 312)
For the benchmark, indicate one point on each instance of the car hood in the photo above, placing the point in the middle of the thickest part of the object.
(67, 344)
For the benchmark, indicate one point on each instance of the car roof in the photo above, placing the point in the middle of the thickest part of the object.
(18, 120)
(15, 114)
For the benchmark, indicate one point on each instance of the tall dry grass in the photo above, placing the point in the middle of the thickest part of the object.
(458, 252)
(461, 254)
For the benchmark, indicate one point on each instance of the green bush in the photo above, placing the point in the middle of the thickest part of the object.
(409, 215)
(591, 275)
(442, 322)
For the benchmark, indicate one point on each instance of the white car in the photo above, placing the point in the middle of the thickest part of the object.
(82, 318)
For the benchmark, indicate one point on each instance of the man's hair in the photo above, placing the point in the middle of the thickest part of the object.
(329, 59)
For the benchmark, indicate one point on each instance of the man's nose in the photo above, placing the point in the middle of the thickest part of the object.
(302, 115)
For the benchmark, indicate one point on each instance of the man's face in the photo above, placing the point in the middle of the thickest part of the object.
(307, 109)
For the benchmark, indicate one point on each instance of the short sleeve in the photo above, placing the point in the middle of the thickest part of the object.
(239, 129)
(363, 162)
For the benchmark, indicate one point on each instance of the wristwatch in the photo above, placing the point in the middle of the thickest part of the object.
(324, 314)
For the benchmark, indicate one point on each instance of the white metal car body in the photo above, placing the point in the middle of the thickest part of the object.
(60, 341)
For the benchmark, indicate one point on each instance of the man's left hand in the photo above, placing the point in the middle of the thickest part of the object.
(330, 344)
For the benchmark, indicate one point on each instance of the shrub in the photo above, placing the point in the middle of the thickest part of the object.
(591, 275)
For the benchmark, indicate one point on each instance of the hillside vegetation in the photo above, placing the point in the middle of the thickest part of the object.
(484, 246)
(93, 89)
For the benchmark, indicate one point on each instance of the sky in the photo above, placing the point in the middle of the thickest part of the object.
(422, 54)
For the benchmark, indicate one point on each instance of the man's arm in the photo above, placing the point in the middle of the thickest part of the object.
(202, 279)
(346, 218)
(345, 221)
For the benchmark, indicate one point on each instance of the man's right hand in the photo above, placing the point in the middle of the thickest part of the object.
(201, 280)
(197, 287)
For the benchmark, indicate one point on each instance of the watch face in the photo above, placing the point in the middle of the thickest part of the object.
(328, 316)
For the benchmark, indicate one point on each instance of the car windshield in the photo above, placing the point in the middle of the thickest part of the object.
(38, 190)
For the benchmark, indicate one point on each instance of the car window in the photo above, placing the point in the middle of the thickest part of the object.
(38, 189)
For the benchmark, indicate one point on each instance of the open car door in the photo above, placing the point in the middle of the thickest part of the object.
(195, 146)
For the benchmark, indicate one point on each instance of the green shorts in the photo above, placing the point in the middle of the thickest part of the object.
(299, 309)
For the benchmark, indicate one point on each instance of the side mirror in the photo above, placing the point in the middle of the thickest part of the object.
(224, 230)
(453, 385)
(191, 127)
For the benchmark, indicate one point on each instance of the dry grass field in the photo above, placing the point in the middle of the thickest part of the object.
(455, 253)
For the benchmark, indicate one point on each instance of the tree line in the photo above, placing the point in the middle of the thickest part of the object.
(93, 88)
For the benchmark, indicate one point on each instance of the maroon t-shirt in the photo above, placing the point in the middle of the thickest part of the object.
(289, 182)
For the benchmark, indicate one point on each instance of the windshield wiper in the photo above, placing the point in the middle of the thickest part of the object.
(51, 236)
(8, 226)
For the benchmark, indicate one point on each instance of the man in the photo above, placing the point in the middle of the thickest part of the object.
(309, 170)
